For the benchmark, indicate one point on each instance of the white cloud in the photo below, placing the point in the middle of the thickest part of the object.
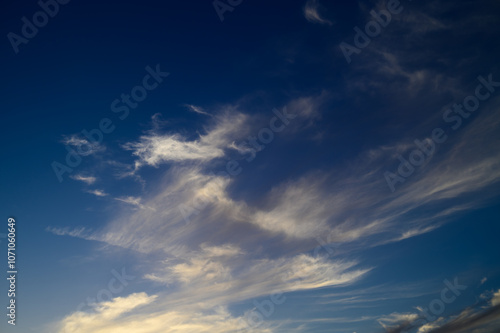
(477, 319)
(116, 316)
(496, 298)
(349, 204)
(154, 149)
(301, 209)
(75, 232)
(417, 232)
(397, 319)
(99, 193)
(221, 251)
(82, 146)
(311, 13)
(427, 328)
(104, 316)
(134, 201)
(197, 109)
(86, 179)
(228, 280)
(225, 131)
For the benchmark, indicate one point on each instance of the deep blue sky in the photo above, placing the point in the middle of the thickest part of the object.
(320, 181)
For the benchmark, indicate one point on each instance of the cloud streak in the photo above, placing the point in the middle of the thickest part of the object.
(98, 193)
(89, 180)
(311, 13)
(197, 109)
(217, 259)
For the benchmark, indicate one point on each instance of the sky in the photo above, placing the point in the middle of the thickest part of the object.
(251, 166)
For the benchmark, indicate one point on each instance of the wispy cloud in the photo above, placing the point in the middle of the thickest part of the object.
(82, 145)
(348, 203)
(197, 109)
(117, 316)
(333, 204)
(481, 317)
(99, 193)
(86, 179)
(496, 298)
(134, 201)
(225, 131)
(104, 316)
(154, 149)
(311, 13)
(212, 279)
(397, 320)
(75, 232)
